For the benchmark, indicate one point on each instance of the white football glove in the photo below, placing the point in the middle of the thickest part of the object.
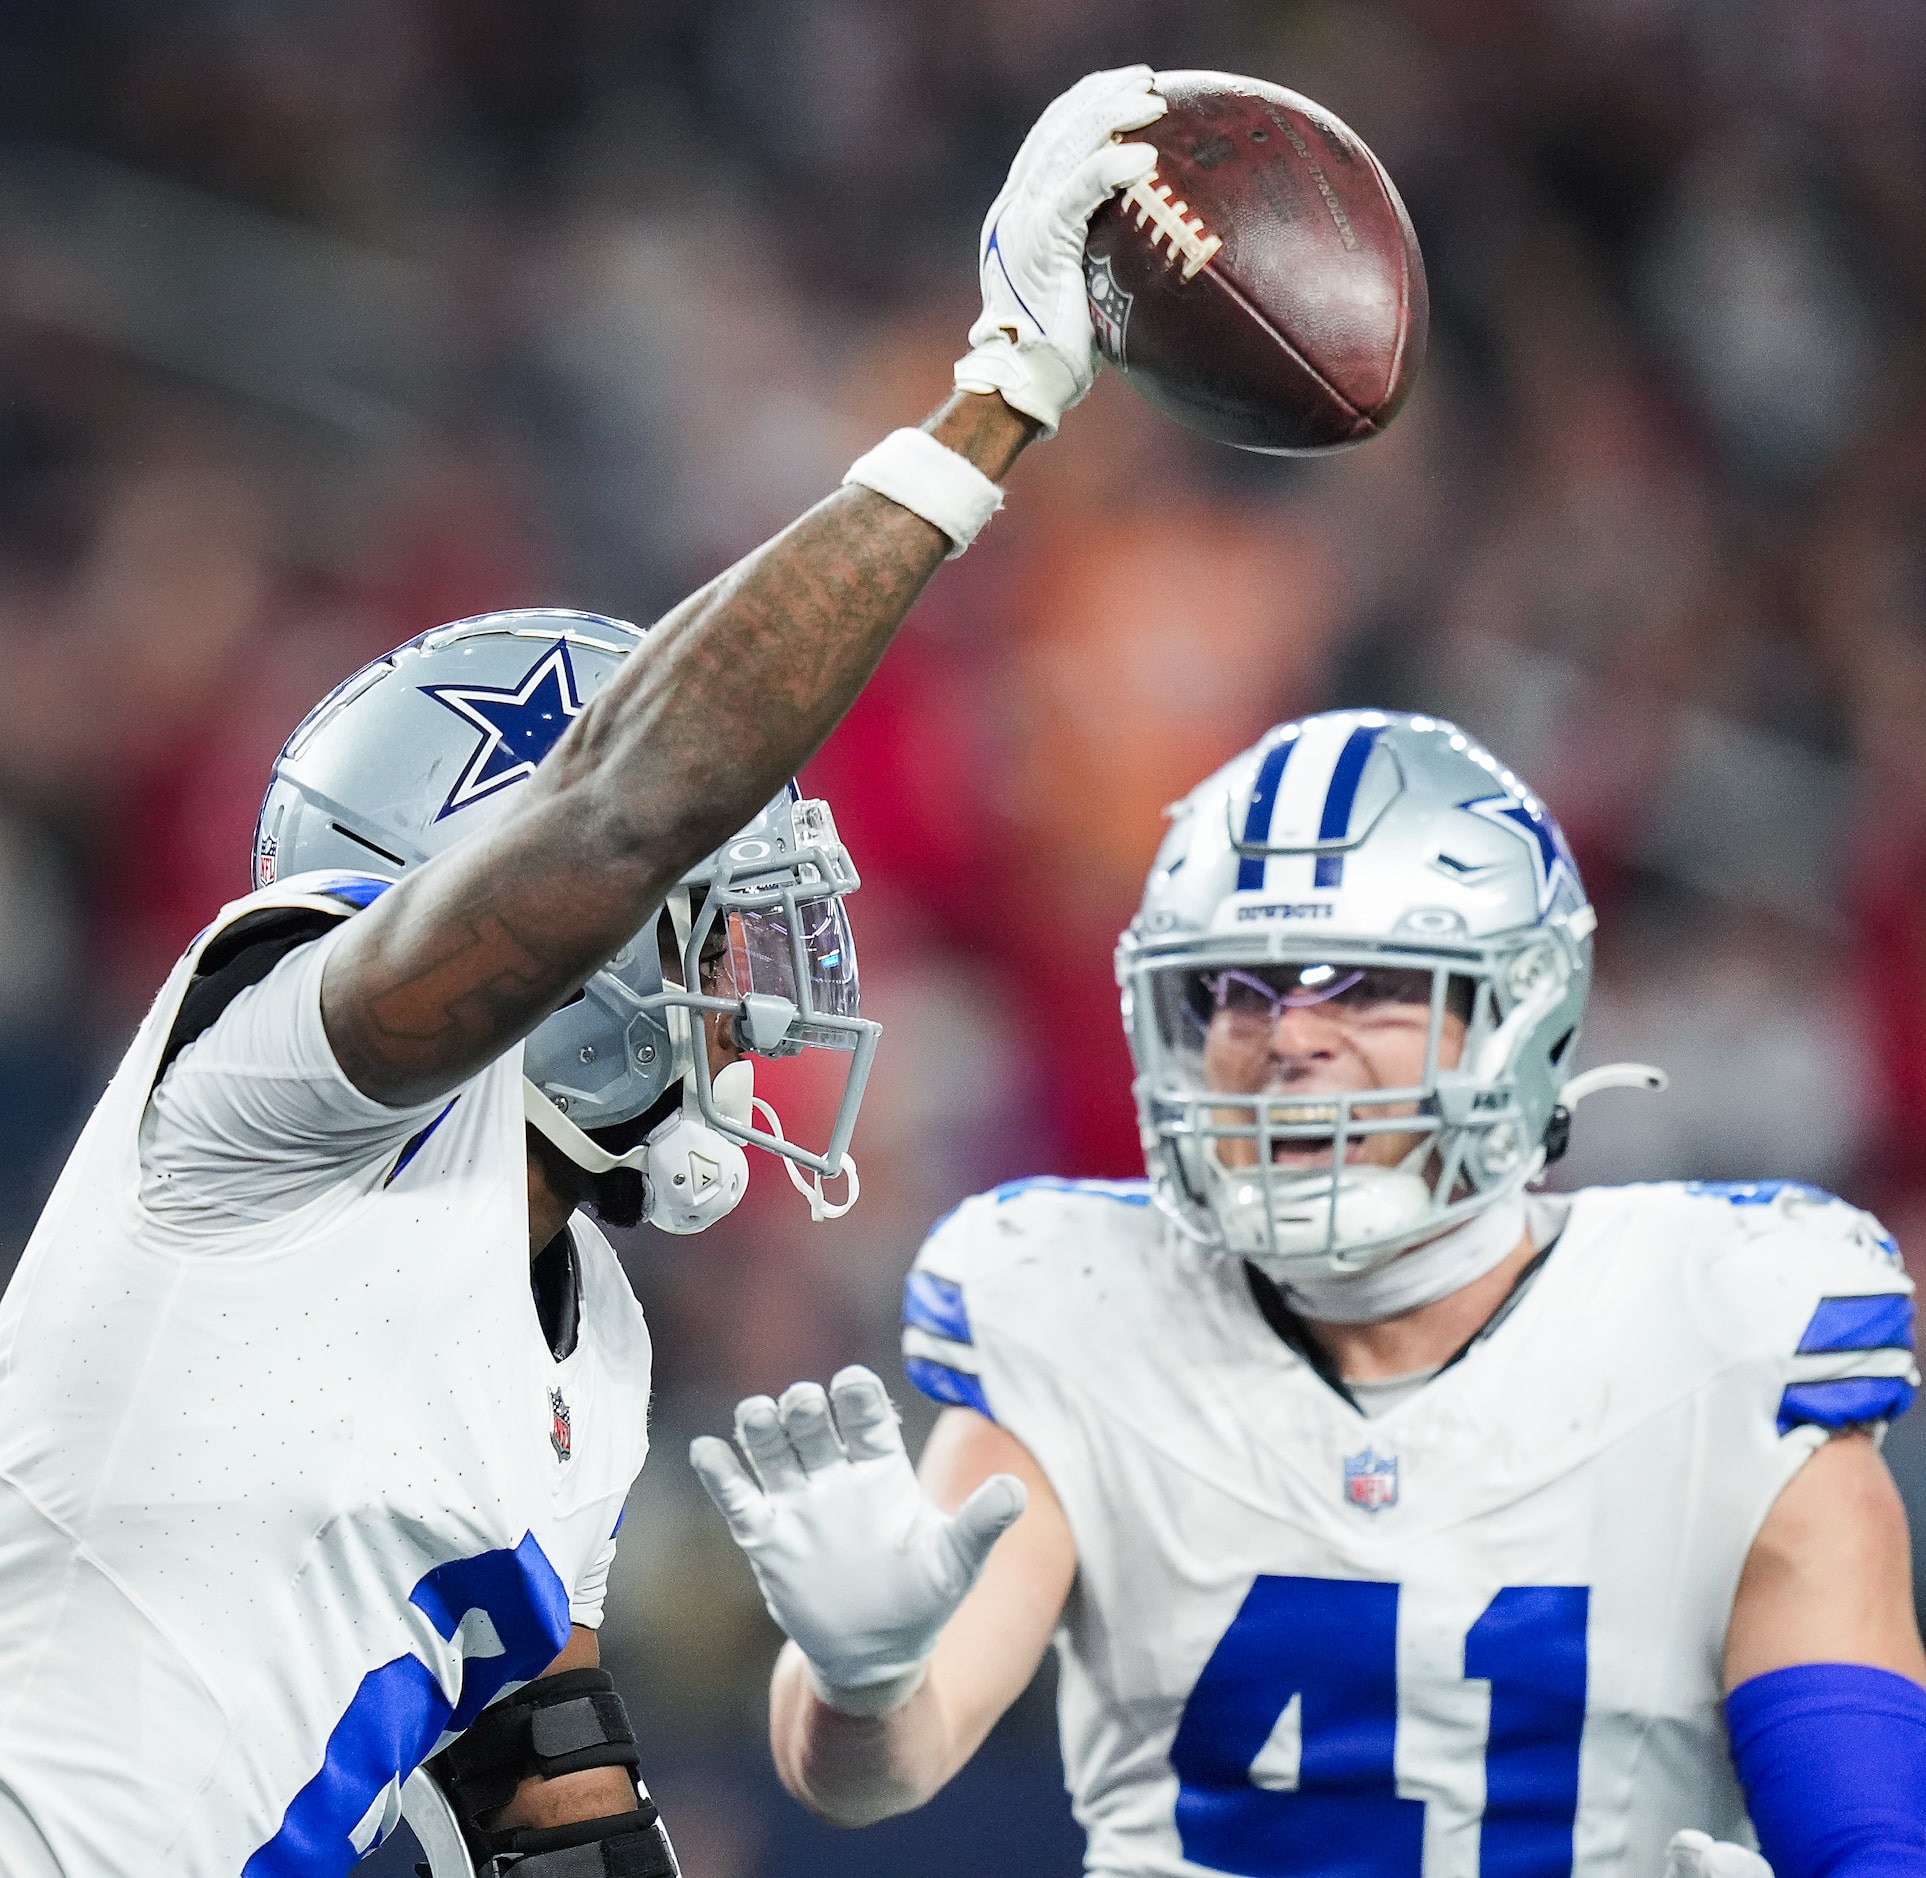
(854, 1560)
(1699, 1855)
(1034, 341)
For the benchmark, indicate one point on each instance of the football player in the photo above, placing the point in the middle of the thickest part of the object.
(298, 1486)
(1390, 1518)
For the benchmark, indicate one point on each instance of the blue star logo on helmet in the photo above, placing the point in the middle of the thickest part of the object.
(1525, 815)
(519, 725)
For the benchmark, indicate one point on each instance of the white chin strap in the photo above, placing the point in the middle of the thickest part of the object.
(694, 1174)
(821, 1207)
(1423, 1275)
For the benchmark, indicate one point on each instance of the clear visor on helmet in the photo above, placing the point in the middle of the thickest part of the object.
(1306, 1063)
(1230, 1027)
(808, 959)
(773, 959)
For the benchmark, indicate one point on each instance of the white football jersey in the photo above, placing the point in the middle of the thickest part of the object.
(1476, 1636)
(286, 1499)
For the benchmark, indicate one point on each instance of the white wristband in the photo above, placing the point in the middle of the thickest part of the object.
(916, 472)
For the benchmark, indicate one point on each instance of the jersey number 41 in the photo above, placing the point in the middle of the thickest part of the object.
(1328, 1647)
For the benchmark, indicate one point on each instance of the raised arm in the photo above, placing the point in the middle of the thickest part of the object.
(917, 1613)
(731, 693)
(739, 684)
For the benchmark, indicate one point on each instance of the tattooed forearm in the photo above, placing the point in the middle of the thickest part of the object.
(733, 691)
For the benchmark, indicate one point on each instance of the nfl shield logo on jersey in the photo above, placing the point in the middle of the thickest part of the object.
(1371, 1480)
(558, 1435)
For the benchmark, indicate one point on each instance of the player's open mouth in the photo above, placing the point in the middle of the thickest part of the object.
(1312, 1154)
(1316, 1152)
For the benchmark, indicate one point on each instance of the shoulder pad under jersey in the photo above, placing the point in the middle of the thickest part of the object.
(1021, 1217)
(1820, 1286)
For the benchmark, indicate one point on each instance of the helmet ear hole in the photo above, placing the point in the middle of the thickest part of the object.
(1558, 1134)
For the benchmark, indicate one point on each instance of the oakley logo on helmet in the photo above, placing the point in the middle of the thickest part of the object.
(520, 725)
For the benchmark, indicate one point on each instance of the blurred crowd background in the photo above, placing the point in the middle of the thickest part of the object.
(325, 321)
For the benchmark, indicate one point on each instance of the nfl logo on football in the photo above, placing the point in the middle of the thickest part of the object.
(1109, 308)
(1371, 1480)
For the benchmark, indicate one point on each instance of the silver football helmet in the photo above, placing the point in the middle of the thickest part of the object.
(1373, 859)
(421, 747)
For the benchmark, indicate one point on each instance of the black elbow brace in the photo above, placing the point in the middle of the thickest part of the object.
(556, 1725)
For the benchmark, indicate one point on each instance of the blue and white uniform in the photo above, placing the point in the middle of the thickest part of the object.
(291, 1481)
(1477, 1635)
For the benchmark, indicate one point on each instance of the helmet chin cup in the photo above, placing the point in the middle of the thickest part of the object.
(1374, 1206)
(695, 1176)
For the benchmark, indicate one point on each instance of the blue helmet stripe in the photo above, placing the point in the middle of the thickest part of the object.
(1339, 800)
(1257, 822)
(1346, 774)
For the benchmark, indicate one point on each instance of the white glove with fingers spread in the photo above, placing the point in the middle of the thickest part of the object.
(855, 1562)
(1034, 342)
(1699, 1855)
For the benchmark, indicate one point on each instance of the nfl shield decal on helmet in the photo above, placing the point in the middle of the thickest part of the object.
(558, 1430)
(1371, 1480)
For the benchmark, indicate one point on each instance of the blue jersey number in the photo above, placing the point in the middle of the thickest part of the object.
(399, 1711)
(1328, 1647)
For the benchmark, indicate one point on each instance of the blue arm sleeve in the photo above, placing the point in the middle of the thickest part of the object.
(1832, 1757)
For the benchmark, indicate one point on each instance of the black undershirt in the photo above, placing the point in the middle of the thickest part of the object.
(1295, 1334)
(556, 1283)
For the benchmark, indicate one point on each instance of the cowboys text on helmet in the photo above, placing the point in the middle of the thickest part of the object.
(1353, 862)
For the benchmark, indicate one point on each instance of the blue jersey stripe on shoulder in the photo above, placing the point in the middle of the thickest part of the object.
(415, 1143)
(1845, 1402)
(1880, 1320)
(942, 1384)
(936, 1305)
(1754, 1192)
(1124, 1192)
(361, 890)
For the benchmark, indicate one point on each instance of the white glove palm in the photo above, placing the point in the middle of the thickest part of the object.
(853, 1559)
(1699, 1855)
(1034, 342)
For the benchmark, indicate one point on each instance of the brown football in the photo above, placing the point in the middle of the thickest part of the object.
(1264, 285)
